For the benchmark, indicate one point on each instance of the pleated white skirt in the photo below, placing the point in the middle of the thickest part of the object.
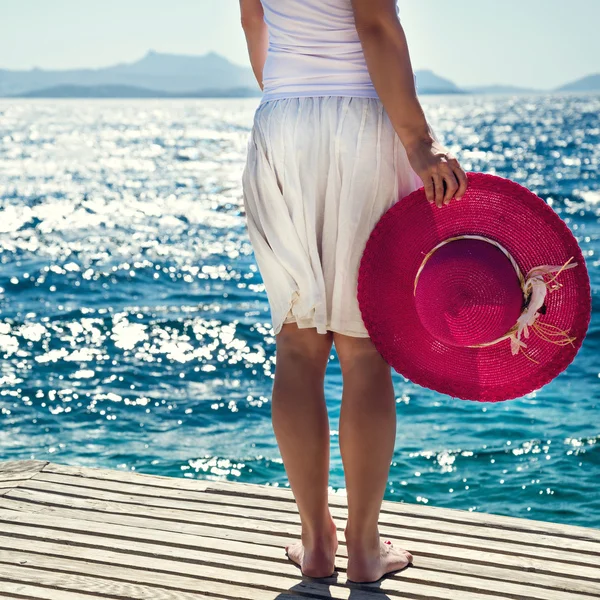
(320, 172)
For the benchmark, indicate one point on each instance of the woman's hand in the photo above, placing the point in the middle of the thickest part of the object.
(442, 175)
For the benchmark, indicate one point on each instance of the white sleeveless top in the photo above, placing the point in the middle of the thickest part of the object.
(314, 50)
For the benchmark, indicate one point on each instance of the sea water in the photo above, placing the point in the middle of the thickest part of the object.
(135, 331)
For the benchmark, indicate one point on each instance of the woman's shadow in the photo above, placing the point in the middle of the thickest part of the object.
(319, 587)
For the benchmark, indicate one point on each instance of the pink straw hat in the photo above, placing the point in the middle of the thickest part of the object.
(487, 298)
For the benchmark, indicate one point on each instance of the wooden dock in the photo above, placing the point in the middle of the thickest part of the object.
(71, 533)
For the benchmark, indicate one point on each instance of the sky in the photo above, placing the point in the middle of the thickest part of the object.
(531, 43)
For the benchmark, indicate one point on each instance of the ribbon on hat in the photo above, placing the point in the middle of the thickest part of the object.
(535, 288)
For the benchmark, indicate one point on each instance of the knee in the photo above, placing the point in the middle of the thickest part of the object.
(303, 348)
(358, 353)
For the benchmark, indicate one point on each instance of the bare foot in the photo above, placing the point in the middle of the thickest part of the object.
(366, 566)
(315, 558)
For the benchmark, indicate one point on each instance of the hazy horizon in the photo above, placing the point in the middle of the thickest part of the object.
(539, 44)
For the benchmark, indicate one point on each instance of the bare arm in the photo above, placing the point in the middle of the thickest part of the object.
(255, 30)
(386, 54)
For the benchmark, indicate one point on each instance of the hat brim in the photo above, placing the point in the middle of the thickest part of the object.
(534, 235)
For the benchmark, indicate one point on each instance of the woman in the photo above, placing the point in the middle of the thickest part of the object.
(338, 137)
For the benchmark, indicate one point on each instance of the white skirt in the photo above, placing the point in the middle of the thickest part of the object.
(320, 172)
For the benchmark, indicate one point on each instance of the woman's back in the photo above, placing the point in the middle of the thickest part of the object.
(314, 50)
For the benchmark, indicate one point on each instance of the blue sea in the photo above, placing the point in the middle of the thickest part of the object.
(135, 331)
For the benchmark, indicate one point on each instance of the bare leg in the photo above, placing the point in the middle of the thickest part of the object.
(367, 437)
(301, 427)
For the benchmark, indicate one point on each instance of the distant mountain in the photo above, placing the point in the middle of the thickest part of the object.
(128, 91)
(430, 83)
(502, 89)
(158, 75)
(161, 75)
(156, 71)
(591, 83)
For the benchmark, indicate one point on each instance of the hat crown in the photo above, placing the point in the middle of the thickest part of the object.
(468, 293)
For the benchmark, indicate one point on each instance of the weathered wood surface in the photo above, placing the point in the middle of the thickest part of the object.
(74, 533)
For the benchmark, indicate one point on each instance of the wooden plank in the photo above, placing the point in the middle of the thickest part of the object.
(17, 466)
(166, 558)
(187, 501)
(440, 567)
(160, 515)
(190, 536)
(157, 481)
(286, 498)
(31, 592)
(246, 490)
(228, 582)
(15, 472)
(55, 528)
(416, 510)
(74, 582)
(8, 485)
(429, 549)
(17, 475)
(173, 539)
(13, 480)
(269, 510)
(39, 593)
(135, 478)
(202, 549)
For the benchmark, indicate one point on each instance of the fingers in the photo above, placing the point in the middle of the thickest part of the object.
(429, 190)
(451, 183)
(444, 180)
(462, 180)
(439, 189)
(459, 175)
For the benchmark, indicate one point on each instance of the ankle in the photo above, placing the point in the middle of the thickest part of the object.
(319, 534)
(363, 538)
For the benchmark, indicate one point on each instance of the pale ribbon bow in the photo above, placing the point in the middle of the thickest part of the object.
(539, 288)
